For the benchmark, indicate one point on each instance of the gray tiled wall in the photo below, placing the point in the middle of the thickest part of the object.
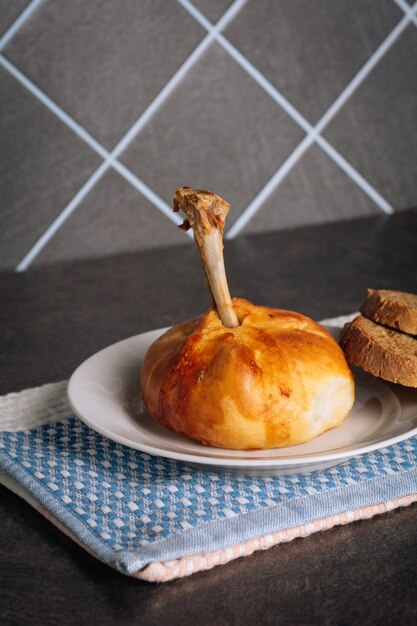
(297, 111)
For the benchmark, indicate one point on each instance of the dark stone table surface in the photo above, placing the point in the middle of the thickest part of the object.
(52, 318)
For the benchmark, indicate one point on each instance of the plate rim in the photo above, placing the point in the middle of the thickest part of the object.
(189, 457)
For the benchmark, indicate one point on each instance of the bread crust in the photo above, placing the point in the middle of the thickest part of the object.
(396, 309)
(278, 379)
(381, 351)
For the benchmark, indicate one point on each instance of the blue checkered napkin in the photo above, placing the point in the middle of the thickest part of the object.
(130, 509)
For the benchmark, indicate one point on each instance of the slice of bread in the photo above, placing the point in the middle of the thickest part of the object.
(384, 352)
(392, 308)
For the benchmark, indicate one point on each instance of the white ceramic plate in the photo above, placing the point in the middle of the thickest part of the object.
(104, 393)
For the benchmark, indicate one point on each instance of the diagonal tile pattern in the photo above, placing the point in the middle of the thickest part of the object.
(311, 50)
(384, 108)
(221, 121)
(315, 191)
(109, 221)
(9, 12)
(44, 165)
(218, 130)
(110, 59)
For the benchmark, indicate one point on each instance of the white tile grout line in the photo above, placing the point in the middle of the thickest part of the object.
(53, 107)
(312, 132)
(312, 136)
(229, 15)
(363, 73)
(62, 217)
(94, 144)
(408, 10)
(88, 139)
(110, 158)
(23, 17)
(247, 66)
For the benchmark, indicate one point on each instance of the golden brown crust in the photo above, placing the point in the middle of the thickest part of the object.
(277, 379)
(381, 351)
(396, 309)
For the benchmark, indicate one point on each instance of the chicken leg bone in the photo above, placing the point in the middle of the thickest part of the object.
(206, 214)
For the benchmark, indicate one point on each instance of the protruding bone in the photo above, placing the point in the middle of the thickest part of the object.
(206, 214)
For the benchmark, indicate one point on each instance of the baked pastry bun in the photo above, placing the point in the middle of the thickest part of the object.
(242, 376)
(277, 379)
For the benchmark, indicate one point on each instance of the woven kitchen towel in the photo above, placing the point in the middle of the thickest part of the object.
(157, 519)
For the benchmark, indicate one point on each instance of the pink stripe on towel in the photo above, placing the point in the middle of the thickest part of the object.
(178, 568)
